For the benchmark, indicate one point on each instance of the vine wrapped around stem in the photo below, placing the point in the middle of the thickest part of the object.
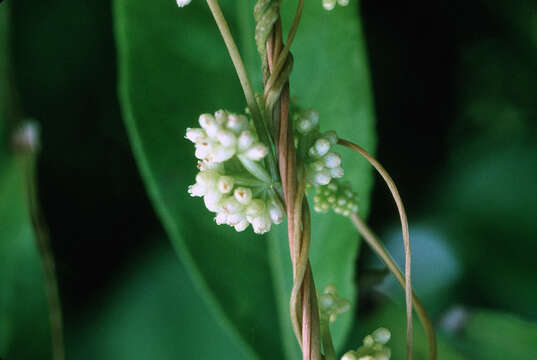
(277, 65)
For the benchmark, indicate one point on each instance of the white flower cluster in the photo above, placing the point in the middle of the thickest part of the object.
(220, 139)
(322, 164)
(331, 305)
(373, 347)
(331, 4)
(224, 135)
(336, 196)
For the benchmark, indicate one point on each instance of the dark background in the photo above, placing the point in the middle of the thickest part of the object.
(454, 84)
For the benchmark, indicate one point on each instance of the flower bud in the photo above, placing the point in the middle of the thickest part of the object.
(332, 160)
(241, 226)
(261, 224)
(246, 140)
(225, 184)
(226, 138)
(182, 3)
(237, 123)
(329, 4)
(349, 355)
(322, 146)
(257, 152)
(331, 136)
(195, 134)
(382, 335)
(276, 212)
(322, 177)
(243, 195)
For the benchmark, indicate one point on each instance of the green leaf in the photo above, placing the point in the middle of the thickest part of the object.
(174, 66)
(154, 312)
(494, 336)
(24, 326)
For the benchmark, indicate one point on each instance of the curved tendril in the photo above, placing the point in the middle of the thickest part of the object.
(373, 241)
(406, 236)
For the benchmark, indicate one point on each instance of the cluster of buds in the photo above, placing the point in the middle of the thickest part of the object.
(373, 348)
(224, 144)
(322, 164)
(337, 196)
(331, 305)
(331, 4)
(223, 136)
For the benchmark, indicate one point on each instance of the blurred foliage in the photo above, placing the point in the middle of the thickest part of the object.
(153, 312)
(454, 93)
(23, 305)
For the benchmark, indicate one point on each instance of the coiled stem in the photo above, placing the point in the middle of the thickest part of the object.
(277, 64)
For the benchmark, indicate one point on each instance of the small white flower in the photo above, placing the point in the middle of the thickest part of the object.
(256, 152)
(276, 212)
(243, 195)
(182, 3)
(261, 224)
(225, 184)
(329, 4)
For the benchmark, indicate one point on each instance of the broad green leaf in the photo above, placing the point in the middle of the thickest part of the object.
(330, 75)
(24, 327)
(494, 336)
(155, 312)
(173, 66)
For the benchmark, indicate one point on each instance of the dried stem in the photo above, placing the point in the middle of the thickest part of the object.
(375, 244)
(406, 236)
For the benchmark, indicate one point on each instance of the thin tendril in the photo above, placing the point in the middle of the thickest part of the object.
(260, 126)
(406, 236)
(372, 240)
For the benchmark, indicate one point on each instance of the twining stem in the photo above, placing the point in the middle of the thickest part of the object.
(47, 259)
(406, 236)
(381, 251)
(236, 58)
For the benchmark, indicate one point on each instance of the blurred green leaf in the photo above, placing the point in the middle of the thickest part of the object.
(24, 326)
(488, 201)
(494, 336)
(154, 312)
(178, 68)
(173, 66)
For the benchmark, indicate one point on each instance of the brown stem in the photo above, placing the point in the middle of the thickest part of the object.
(303, 303)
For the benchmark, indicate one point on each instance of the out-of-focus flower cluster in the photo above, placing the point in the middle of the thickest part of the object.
(322, 163)
(232, 182)
(373, 348)
(331, 305)
(337, 196)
